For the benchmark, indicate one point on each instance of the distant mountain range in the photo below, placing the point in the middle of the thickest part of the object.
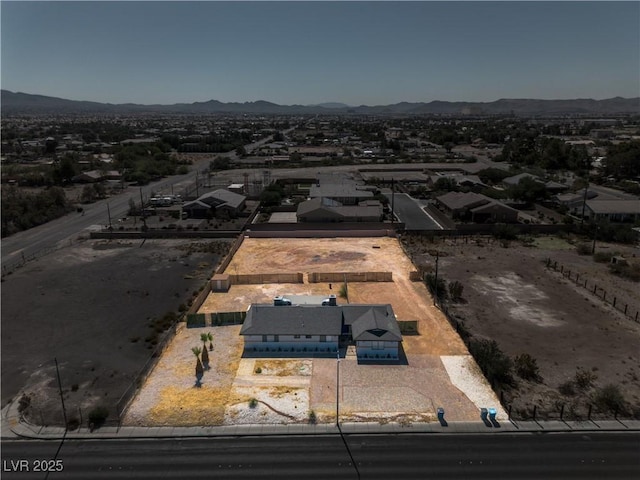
(24, 103)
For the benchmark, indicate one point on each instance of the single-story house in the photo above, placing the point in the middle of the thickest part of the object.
(93, 176)
(476, 207)
(614, 211)
(323, 329)
(218, 203)
(340, 187)
(326, 210)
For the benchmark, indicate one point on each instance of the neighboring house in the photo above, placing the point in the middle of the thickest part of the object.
(468, 181)
(93, 176)
(515, 180)
(476, 207)
(614, 211)
(573, 201)
(219, 203)
(327, 210)
(341, 188)
(323, 329)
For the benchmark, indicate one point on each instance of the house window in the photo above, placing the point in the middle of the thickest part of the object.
(264, 338)
(276, 338)
(296, 336)
(323, 338)
(377, 345)
(307, 336)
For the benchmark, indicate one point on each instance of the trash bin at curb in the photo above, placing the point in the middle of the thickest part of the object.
(440, 414)
(483, 414)
(492, 415)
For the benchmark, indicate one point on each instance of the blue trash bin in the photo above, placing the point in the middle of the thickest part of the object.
(492, 414)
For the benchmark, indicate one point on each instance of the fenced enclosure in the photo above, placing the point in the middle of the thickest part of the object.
(261, 278)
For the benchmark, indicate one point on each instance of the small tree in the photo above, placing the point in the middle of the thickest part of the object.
(210, 339)
(199, 368)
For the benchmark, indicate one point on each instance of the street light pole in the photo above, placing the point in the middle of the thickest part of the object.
(435, 288)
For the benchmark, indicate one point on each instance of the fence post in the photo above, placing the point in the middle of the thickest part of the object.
(561, 268)
(509, 413)
(535, 408)
(577, 277)
(561, 411)
(585, 283)
(636, 316)
(614, 301)
(589, 413)
(604, 295)
(595, 287)
(625, 308)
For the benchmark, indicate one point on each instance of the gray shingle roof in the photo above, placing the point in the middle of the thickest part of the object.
(368, 322)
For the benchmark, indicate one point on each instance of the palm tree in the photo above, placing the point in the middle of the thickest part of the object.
(199, 369)
(205, 354)
(210, 338)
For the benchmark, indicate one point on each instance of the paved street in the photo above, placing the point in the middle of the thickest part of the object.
(411, 214)
(505, 456)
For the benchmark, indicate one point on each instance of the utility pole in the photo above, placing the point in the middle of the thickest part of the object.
(595, 234)
(64, 410)
(109, 216)
(144, 218)
(393, 200)
(584, 201)
(435, 288)
(338, 388)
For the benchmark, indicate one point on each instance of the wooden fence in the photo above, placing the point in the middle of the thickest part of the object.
(261, 278)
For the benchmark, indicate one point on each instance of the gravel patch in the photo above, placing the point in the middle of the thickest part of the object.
(466, 376)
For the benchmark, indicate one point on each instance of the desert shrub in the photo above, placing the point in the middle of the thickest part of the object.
(584, 379)
(630, 272)
(505, 232)
(441, 291)
(258, 370)
(312, 417)
(609, 398)
(493, 362)
(24, 403)
(602, 257)
(527, 367)
(97, 416)
(73, 423)
(455, 290)
(583, 249)
(567, 388)
(253, 403)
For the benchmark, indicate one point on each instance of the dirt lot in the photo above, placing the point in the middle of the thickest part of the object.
(92, 307)
(509, 296)
(288, 390)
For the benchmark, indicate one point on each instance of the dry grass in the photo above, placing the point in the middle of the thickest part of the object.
(283, 368)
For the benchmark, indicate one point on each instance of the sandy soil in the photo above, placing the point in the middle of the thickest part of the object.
(272, 390)
(91, 306)
(512, 298)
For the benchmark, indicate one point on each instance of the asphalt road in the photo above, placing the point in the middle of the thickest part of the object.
(548, 456)
(411, 214)
(62, 231)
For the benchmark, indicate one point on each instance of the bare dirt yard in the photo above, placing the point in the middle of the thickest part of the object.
(99, 307)
(243, 389)
(587, 351)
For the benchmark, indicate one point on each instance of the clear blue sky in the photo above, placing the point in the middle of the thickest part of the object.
(369, 53)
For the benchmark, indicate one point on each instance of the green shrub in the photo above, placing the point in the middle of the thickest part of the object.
(430, 280)
(527, 367)
(495, 365)
(610, 398)
(253, 403)
(97, 416)
(567, 388)
(258, 370)
(312, 417)
(602, 257)
(583, 249)
(455, 290)
(584, 379)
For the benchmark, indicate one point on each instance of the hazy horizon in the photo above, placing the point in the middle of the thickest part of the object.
(307, 53)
